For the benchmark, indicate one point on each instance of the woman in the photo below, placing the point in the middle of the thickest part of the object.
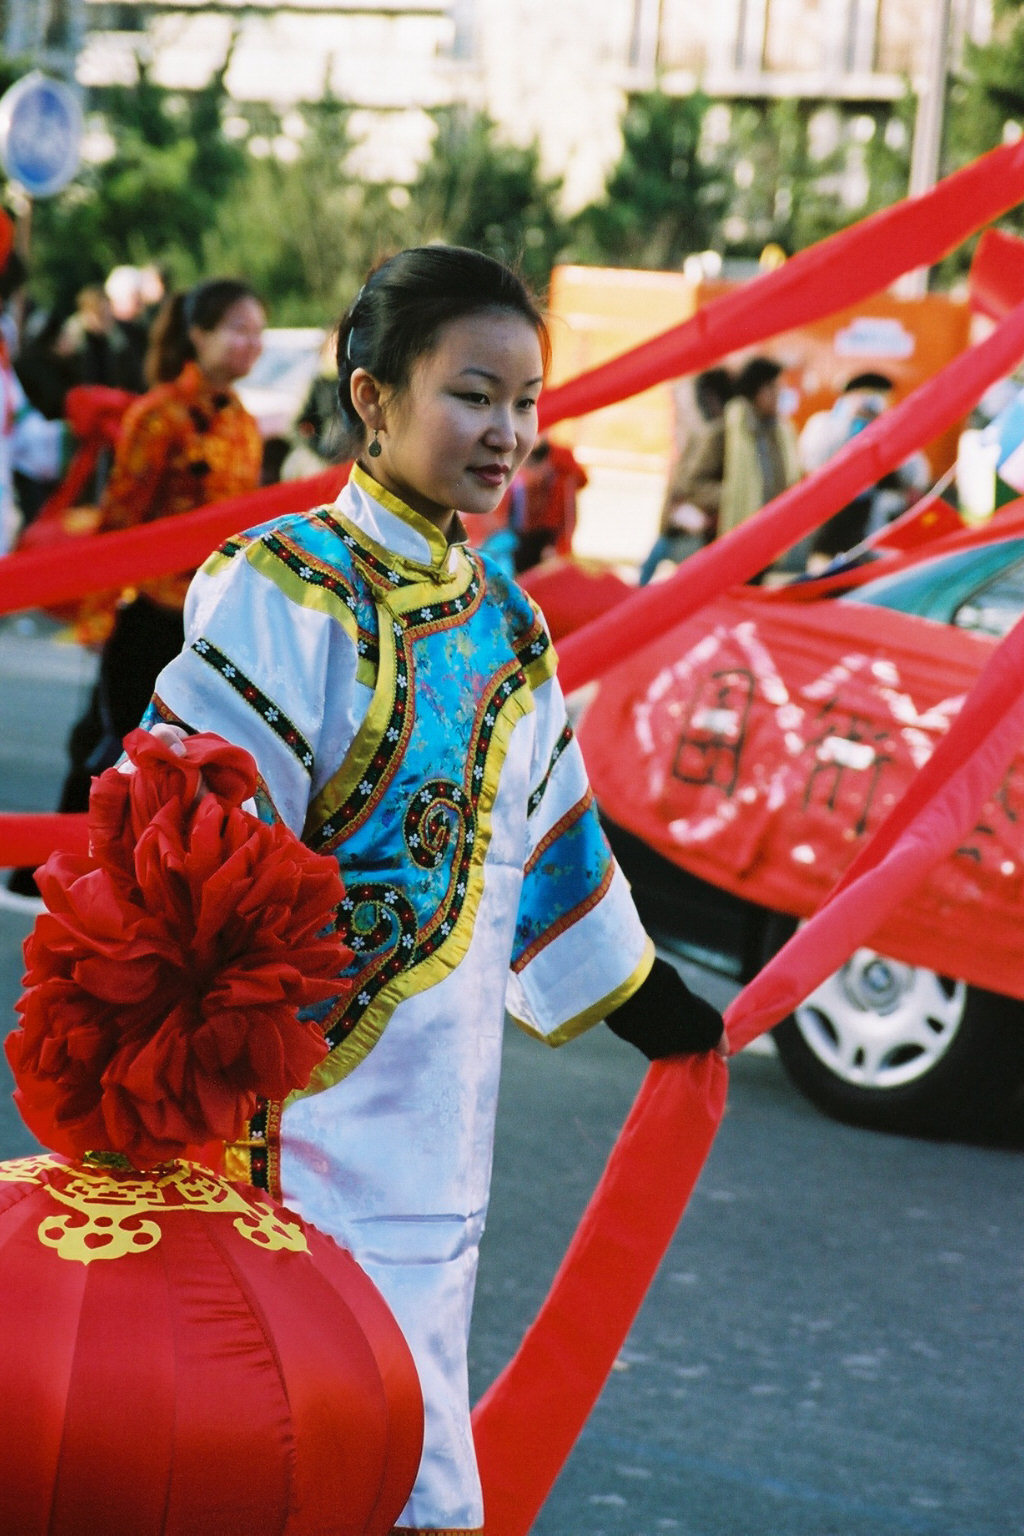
(400, 700)
(186, 443)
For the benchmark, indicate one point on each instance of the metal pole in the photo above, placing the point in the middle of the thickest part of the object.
(926, 153)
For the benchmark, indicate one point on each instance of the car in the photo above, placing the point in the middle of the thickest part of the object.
(743, 758)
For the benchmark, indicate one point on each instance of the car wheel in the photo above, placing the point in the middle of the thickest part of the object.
(901, 1048)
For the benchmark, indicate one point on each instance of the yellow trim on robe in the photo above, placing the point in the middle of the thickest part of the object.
(401, 509)
(348, 1053)
(597, 1011)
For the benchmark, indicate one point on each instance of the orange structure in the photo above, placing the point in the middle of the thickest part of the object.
(600, 312)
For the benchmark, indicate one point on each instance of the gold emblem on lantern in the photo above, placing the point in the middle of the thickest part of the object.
(109, 1216)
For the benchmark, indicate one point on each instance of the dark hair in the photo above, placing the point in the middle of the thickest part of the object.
(878, 382)
(713, 389)
(755, 374)
(13, 275)
(204, 306)
(396, 316)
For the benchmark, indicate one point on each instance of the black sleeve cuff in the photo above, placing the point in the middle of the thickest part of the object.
(664, 1018)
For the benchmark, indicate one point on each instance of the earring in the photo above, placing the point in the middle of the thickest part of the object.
(374, 449)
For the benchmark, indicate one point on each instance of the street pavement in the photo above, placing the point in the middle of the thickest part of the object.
(833, 1346)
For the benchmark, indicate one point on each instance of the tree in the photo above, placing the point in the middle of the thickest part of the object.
(663, 199)
(474, 189)
(306, 229)
(154, 199)
(986, 99)
(790, 178)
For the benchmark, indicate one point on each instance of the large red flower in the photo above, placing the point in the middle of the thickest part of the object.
(164, 982)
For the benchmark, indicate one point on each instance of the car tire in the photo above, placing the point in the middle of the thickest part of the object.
(900, 1048)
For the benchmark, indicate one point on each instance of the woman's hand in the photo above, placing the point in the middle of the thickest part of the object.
(172, 735)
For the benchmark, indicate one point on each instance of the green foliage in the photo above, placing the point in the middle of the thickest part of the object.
(305, 231)
(785, 191)
(887, 160)
(153, 200)
(988, 95)
(662, 200)
(475, 189)
(985, 105)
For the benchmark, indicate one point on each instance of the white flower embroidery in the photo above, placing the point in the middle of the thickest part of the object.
(229, 671)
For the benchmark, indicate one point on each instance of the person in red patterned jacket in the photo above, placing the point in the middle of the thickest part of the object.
(187, 442)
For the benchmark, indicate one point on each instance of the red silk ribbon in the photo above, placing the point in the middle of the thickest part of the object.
(826, 277)
(930, 409)
(43, 577)
(996, 278)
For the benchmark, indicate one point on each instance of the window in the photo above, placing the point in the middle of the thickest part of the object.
(978, 589)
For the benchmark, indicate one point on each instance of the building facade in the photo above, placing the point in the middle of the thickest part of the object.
(558, 72)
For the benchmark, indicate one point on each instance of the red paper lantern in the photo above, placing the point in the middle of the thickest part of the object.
(181, 1356)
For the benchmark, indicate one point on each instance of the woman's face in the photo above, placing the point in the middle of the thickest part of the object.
(230, 349)
(454, 436)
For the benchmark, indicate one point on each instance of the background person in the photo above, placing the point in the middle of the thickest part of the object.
(862, 401)
(759, 451)
(187, 442)
(689, 514)
(542, 503)
(399, 697)
(31, 447)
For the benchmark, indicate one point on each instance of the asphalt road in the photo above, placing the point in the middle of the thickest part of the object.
(833, 1346)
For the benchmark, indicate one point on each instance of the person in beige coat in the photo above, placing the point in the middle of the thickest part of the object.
(759, 448)
(689, 513)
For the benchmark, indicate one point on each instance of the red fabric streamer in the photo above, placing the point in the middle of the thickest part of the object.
(94, 414)
(865, 459)
(996, 279)
(29, 838)
(527, 1422)
(42, 577)
(828, 276)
